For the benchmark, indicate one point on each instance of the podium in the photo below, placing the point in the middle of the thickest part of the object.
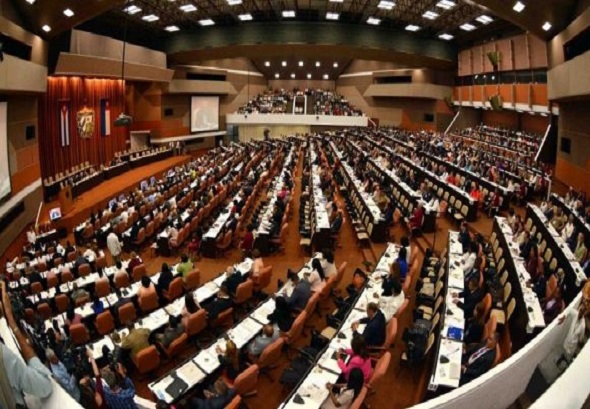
(65, 199)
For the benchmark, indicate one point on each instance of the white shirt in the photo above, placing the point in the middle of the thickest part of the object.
(329, 268)
(114, 244)
(31, 236)
(468, 261)
(315, 281)
(567, 231)
(575, 336)
(390, 305)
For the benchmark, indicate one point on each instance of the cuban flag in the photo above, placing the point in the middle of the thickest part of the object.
(105, 117)
(64, 123)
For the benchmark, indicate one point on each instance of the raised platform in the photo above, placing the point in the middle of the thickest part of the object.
(291, 119)
(100, 195)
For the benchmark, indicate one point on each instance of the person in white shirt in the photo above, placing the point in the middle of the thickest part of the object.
(90, 254)
(569, 228)
(114, 245)
(31, 235)
(468, 259)
(405, 242)
(391, 299)
(434, 204)
(327, 263)
(316, 278)
(124, 216)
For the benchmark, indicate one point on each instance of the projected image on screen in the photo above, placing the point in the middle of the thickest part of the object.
(204, 114)
(4, 170)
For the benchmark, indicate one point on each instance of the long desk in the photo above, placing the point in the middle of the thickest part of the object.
(87, 183)
(581, 224)
(528, 312)
(116, 170)
(149, 158)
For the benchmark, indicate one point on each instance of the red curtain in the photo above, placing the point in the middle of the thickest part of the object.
(82, 93)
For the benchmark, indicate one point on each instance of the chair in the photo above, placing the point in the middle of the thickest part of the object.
(379, 371)
(62, 302)
(245, 383)
(36, 287)
(390, 333)
(235, 403)
(280, 241)
(224, 320)
(196, 323)
(66, 277)
(71, 256)
(176, 346)
(140, 238)
(44, 310)
(270, 357)
(244, 293)
(149, 302)
(296, 329)
(264, 279)
(52, 280)
(174, 290)
(510, 309)
(498, 356)
(223, 245)
(402, 308)
(105, 323)
(340, 273)
(192, 281)
(102, 287)
(147, 359)
(81, 301)
(121, 280)
(79, 334)
(101, 262)
(507, 292)
(489, 328)
(127, 313)
(551, 286)
(487, 303)
(138, 272)
(84, 270)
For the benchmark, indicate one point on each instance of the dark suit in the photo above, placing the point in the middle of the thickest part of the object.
(164, 281)
(478, 366)
(470, 301)
(374, 333)
(217, 402)
(300, 296)
(233, 281)
(465, 240)
(218, 306)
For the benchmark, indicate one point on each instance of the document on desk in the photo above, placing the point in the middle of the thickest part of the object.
(176, 307)
(261, 313)
(329, 362)
(207, 359)
(206, 291)
(190, 373)
(244, 332)
(159, 389)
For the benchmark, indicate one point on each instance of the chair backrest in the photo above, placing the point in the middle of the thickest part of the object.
(36, 287)
(72, 256)
(358, 402)
(225, 319)
(192, 280)
(507, 291)
(175, 289)
(510, 309)
(264, 277)
(79, 334)
(44, 310)
(127, 313)
(67, 276)
(101, 262)
(82, 300)
(138, 272)
(380, 368)
(121, 280)
(402, 308)
(148, 302)
(391, 332)
(311, 305)
(296, 328)
(84, 270)
(102, 287)
(340, 273)
(52, 281)
(196, 323)
(177, 345)
(271, 354)
(487, 304)
(551, 286)
(105, 323)
(147, 359)
(247, 380)
(489, 328)
(62, 302)
(244, 292)
(235, 403)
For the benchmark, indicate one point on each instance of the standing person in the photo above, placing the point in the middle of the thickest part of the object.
(316, 278)
(114, 245)
(16, 376)
(185, 266)
(119, 390)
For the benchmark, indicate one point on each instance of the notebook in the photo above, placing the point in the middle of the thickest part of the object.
(455, 333)
(176, 388)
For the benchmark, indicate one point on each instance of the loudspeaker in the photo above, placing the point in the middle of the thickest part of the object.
(496, 102)
(495, 57)
(30, 132)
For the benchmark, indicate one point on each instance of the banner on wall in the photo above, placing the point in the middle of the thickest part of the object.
(105, 117)
(85, 123)
(64, 123)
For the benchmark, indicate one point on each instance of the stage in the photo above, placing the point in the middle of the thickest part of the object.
(99, 196)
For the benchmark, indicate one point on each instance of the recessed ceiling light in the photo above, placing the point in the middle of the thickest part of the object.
(332, 16)
(206, 22)
(308, 76)
(172, 29)
(445, 36)
(46, 28)
(317, 64)
(30, 1)
(446, 4)
(386, 5)
(484, 19)
(467, 27)
(284, 63)
(234, 2)
(301, 63)
(132, 10)
(245, 17)
(187, 8)
(412, 27)
(547, 26)
(430, 15)
(267, 64)
(277, 75)
(335, 65)
(326, 76)
(150, 18)
(336, 1)
(68, 13)
(518, 7)
(288, 13)
(374, 21)
(293, 75)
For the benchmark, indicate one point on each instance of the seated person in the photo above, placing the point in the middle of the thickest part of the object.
(258, 344)
(403, 264)
(580, 250)
(185, 266)
(220, 303)
(281, 318)
(300, 295)
(359, 359)
(392, 298)
(97, 304)
(336, 224)
(146, 288)
(472, 295)
(78, 293)
(134, 261)
(190, 307)
(374, 333)
(136, 340)
(327, 263)
(316, 278)
(165, 279)
(230, 360)
(478, 359)
(172, 331)
(216, 399)
(553, 306)
(342, 395)
(474, 326)
(233, 280)
(417, 217)
(257, 264)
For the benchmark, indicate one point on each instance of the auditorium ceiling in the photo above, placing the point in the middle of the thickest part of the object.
(462, 22)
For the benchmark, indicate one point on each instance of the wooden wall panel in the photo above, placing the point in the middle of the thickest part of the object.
(521, 53)
(534, 123)
(505, 91)
(465, 63)
(507, 119)
(478, 93)
(507, 57)
(538, 52)
(456, 94)
(539, 94)
(487, 48)
(465, 93)
(477, 59)
(522, 94)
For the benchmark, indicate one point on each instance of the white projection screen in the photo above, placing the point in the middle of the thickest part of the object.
(5, 187)
(204, 113)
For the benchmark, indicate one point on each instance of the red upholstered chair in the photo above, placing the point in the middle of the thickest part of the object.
(79, 334)
(246, 382)
(62, 302)
(66, 277)
(36, 287)
(192, 281)
(224, 320)
(102, 287)
(121, 280)
(380, 370)
(296, 329)
(149, 302)
(360, 399)
(138, 272)
(196, 323)
(176, 346)
(270, 357)
(105, 323)
(84, 270)
(235, 403)
(147, 359)
(127, 313)
(174, 290)
(44, 310)
(244, 293)
(264, 279)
